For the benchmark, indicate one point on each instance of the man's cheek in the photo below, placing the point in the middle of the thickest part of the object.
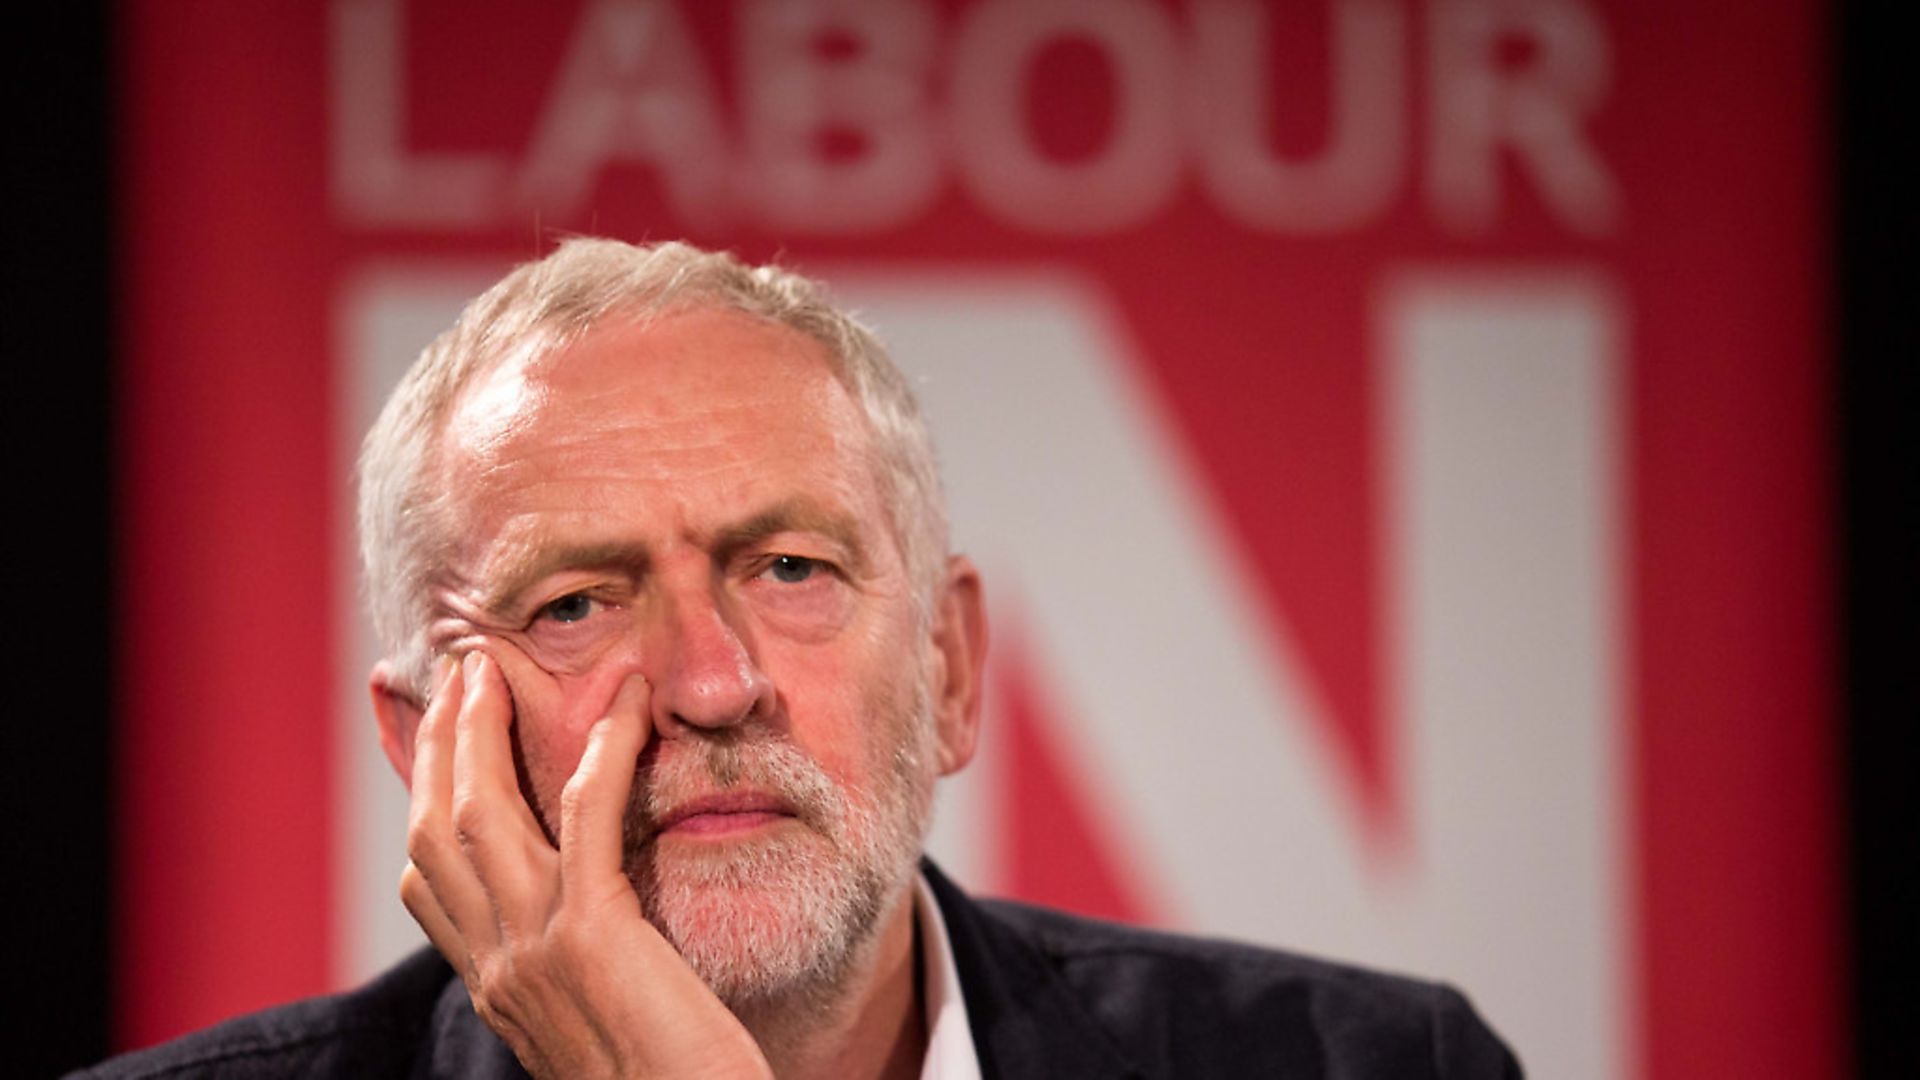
(551, 719)
(544, 754)
(529, 776)
(542, 766)
(550, 728)
(846, 731)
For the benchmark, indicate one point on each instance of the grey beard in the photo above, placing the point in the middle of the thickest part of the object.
(780, 922)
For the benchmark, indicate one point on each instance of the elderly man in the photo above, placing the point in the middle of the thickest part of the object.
(676, 652)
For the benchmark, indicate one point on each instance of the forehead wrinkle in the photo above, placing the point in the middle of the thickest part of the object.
(567, 398)
(545, 435)
(576, 444)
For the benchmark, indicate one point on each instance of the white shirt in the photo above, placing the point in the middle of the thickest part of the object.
(950, 1051)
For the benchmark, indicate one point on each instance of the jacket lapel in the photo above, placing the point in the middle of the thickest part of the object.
(1026, 1021)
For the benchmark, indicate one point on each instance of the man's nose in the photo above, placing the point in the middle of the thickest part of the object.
(706, 676)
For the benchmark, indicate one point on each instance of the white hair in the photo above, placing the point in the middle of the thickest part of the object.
(539, 309)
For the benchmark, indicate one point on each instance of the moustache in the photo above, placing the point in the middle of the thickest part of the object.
(752, 761)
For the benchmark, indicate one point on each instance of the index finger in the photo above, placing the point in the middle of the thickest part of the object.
(593, 808)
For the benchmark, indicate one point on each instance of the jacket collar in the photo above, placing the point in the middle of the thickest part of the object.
(1026, 1020)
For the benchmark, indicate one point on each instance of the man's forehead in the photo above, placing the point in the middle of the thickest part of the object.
(710, 413)
(678, 367)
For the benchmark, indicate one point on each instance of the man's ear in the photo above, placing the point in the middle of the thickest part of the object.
(397, 711)
(959, 649)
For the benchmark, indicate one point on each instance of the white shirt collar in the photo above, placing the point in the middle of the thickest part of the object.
(950, 1050)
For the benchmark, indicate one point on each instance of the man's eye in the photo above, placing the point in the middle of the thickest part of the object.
(569, 609)
(792, 569)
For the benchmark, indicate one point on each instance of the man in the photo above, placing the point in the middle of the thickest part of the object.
(676, 652)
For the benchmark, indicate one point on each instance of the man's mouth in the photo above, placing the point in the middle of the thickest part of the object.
(724, 814)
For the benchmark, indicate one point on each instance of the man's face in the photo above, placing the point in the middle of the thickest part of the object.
(695, 501)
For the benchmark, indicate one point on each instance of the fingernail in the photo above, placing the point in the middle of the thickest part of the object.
(470, 664)
(630, 688)
(443, 666)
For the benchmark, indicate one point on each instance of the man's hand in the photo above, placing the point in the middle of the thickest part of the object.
(555, 951)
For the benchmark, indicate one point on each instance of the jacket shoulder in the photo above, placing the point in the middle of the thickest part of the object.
(373, 1031)
(1202, 1006)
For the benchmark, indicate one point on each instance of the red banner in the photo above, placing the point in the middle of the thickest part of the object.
(1393, 432)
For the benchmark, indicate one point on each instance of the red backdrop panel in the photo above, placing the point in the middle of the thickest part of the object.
(234, 246)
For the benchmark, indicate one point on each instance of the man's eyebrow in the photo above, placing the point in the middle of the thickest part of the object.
(794, 515)
(518, 577)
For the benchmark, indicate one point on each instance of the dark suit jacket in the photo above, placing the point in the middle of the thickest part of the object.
(1050, 995)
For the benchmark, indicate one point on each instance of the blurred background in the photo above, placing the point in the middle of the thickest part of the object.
(1441, 467)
